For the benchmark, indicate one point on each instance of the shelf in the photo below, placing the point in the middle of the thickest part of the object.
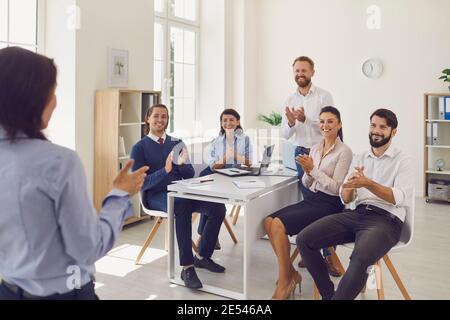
(440, 120)
(131, 124)
(444, 172)
(438, 147)
(124, 158)
(428, 199)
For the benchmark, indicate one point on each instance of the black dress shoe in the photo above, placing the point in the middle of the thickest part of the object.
(208, 264)
(189, 276)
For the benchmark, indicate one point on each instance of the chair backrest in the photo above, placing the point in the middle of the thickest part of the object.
(154, 213)
(408, 225)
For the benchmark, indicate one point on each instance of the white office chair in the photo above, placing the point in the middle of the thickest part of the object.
(405, 240)
(160, 216)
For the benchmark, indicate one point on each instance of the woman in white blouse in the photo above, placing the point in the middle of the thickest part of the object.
(325, 169)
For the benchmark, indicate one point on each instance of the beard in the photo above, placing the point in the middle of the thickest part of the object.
(381, 143)
(302, 82)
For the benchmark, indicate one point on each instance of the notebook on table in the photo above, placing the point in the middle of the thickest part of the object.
(250, 171)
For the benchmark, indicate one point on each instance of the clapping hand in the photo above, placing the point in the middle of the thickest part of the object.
(306, 162)
(290, 115)
(183, 157)
(357, 180)
(130, 182)
(300, 115)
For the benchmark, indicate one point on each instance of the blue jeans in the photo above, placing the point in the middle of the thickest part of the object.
(300, 151)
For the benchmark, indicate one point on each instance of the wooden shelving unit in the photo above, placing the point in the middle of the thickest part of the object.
(438, 147)
(118, 113)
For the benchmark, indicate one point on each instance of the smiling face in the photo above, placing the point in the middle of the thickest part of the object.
(303, 73)
(229, 122)
(329, 125)
(158, 120)
(380, 133)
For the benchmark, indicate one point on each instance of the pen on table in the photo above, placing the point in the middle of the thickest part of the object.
(235, 171)
(210, 180)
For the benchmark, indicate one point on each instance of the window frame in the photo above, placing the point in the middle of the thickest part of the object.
(168, 20)
(40, 28)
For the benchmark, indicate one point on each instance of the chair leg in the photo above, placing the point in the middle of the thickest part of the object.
(230, 231)
(232, 211)
(336, 260)
(379, 278)
(149, 239)
(396, 277)
(294, 255)
(194, 247)
(194, 216)
(316, 292)
(236, 215)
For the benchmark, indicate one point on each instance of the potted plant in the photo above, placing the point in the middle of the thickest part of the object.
(273, 119)
(446, 76)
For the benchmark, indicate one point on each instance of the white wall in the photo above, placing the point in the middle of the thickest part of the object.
(412, 44)
(60, 45)
(120, 24)
(211, 100)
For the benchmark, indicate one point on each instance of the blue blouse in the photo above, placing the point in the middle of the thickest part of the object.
(50, 233)
(241, 145)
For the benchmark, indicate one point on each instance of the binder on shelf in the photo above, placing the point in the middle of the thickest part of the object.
(122, 150)
(447, 108)
(434, 133)
(429, 134)
(441, 108)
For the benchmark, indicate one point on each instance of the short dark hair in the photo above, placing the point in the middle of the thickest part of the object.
(388, 115)
(149, 113)
(229, 112)
(26, 82)
(336, 112)
(304, 59)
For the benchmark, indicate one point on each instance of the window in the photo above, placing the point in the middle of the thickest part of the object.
(19, 24)
(176, 59)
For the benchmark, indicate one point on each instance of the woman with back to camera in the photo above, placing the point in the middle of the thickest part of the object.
(50, 233)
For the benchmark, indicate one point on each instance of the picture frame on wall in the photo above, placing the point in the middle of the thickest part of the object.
(118, 68)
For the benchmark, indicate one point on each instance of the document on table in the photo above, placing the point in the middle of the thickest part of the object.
(249, 184)
(197, 182)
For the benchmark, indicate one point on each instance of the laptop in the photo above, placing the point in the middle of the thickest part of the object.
(250, 171)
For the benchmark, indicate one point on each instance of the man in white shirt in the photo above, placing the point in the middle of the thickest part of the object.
(381, 185)
(302, 109)
(301, 121)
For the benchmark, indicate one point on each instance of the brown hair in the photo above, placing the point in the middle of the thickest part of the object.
(26, 82)
(149, 113)
(304, 59)
(388, 115)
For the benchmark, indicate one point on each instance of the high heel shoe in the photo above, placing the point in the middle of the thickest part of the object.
(290, 290)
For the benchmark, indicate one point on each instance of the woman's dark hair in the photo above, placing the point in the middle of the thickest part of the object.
(229, 112)
(26, 82)
(336, 112)
(388, 115)
(149, 113)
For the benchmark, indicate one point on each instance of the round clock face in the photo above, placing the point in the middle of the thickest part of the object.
(372, 68)
(440, 164)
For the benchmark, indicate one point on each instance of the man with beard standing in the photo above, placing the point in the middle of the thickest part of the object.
(381, 185)
(302, 110)
(301, 120)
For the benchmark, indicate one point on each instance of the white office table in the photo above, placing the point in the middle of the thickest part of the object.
(258, 203)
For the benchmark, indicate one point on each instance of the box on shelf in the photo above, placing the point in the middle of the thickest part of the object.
(439, 189)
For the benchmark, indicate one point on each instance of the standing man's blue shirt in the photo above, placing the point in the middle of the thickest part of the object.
(49, 228)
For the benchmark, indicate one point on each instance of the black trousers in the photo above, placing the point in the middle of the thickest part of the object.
(10, 292)
(374, 234)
